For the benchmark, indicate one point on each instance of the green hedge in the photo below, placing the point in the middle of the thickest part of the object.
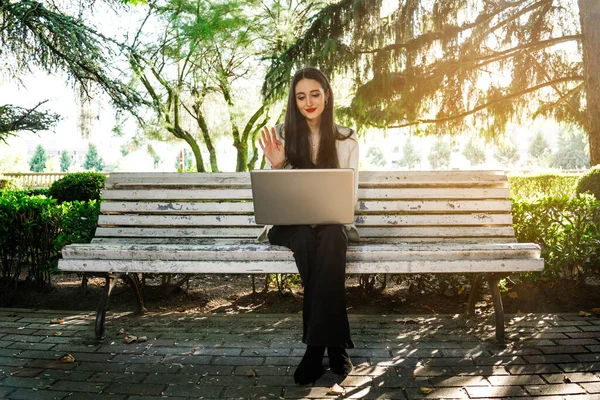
(33, 230)
(556, 185)
(566, 228)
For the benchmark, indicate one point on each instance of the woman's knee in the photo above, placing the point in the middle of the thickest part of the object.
(333, 233)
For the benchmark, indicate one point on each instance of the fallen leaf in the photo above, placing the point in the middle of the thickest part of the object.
(461, 290)
(129, 339)
(584, 314)
(513, 295)
(67, 358)
(57, 321)
(595, 310)
(336, 390)
(250, 373)
(256, 352)
(57, 333)
(425, 390)
(121, 331)
(566, 379)
(142, 339)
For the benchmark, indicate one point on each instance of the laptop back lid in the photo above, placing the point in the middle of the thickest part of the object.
(303, 196)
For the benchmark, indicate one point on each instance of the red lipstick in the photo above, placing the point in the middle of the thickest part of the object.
(310, 110)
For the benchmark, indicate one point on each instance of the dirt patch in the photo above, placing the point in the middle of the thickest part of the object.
(217, 293)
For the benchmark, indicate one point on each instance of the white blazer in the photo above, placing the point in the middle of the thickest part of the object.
(347, 152)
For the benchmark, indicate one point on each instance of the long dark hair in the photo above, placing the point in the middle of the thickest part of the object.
(296, 130)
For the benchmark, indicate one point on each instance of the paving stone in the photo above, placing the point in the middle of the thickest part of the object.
(4, 391)
(135, 388)
(533, 369)
(580, 341)
(29, 346)
(372, 370)
(594, 348)
(170, 379)
(65, 375)
(194, 391)
(587, 357)
(460, 381)
(235, 361)
(481, 370)
(581, 367)
(101, 367)
(550, 335)
(592, 328)
(495, 392)
(186, 360)
(23, 382)
(438, 393)
(30, 394)
(581, 335)
(549, 359)
(544, 390)
(593, 387)
(13, 362)
(446, 362)
(291, 361)
(17, 371)
(274, 380)
(95, 396)
(156, 368)
(77, 386)
(515, 380)
(51, 364)
(499, 360)
(303, 392)
(5, 343)
(261, 370)
(121, 377)
(562, 349)
(219, 351)
(389, 381)
(575, 377)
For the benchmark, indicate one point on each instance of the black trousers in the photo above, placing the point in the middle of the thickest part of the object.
(320, 255)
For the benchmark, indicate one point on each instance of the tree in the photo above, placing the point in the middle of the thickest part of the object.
(439, 156)
(377, 157)
(14, 119)
(449, 66)
(38, 161)
(410, 156)
(65, 161)
(539, 147)
(571, 152)
(474, 153)
(507, 154)
(92, 160)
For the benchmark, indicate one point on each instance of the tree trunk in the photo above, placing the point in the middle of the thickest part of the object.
(589, 14)
(212, 152)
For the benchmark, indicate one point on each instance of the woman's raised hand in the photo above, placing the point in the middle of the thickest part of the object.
(272, 147)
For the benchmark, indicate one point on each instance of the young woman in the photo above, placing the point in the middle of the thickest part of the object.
(309, 138)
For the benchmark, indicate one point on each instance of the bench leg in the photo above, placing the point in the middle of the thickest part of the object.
(135, 286)
(474, 295)
(103, 305)
(493, 280)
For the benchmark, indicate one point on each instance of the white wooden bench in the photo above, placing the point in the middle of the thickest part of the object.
(410, 222)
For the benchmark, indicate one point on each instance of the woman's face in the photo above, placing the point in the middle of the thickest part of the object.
(310, 98)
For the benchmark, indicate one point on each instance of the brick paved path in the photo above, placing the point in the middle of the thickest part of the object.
(552, 356)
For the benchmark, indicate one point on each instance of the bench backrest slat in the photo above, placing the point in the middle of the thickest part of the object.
(413, 206)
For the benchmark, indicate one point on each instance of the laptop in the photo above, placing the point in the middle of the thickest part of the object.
(303, 196)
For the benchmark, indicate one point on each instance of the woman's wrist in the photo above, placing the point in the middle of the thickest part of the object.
(277, 166)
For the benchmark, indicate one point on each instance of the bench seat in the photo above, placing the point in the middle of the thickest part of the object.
(409, 222)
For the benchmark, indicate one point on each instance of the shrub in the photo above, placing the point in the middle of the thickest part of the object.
(81, 186)
(566, 228)
(33, 230)
(590, 183)
(556, 185)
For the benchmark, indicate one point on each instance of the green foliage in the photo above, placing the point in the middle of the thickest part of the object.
(590, 183)
(410, 156)
(65, 161)
(474, 153)
(14, 119)
(92, 160)
(82, 186)
(556, 185)
(507, 154)
(539, 147)
(439, 157)
(38, 161)
(33, 230)
(566, 228)
(572, 152)
(377, 157)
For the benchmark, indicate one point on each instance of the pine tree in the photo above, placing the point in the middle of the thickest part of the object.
(65, 161)
(38, 161)
(92, 160)
(571, 152)
(539, 147)
(507, 154)
(474, 153)
(410, 156)
(439, 156)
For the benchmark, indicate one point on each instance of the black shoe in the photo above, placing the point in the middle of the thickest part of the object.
(310, 368)
(339, 361)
